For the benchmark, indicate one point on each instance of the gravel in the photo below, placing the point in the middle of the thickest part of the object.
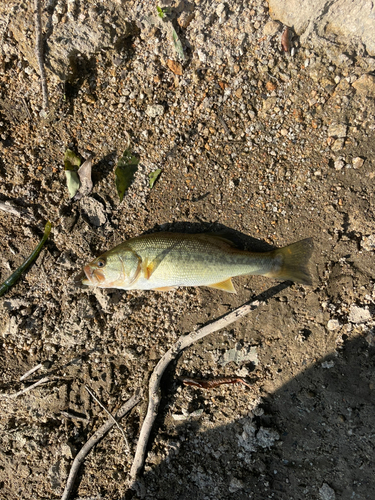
(261, 145)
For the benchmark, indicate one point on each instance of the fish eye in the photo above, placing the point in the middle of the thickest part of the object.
(100, 262)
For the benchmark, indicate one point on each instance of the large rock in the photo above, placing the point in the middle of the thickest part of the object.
(68, 35)
(349, 20)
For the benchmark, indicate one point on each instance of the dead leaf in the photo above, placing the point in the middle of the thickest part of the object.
(175, 67)
(84, 174)
(154, 177)
(125, 170)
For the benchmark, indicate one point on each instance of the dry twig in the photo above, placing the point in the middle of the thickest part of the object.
(154, 385)
(39, 52)
(214, 382)
(94, 439)
(31, 371)
(110, 415)
(27, 389)
(18, 212)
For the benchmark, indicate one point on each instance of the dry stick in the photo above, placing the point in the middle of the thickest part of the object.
(110, 415)
(154, 392)
(95, 438)
(18, 212)
(39, 52)
(31, 371)
(27, 389)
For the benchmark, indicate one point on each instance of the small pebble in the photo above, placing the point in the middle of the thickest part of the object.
(333, 325)
(155, 110)
(338, 145)
(359, 314)
(368, 242)
(365, 85)
(339, 164)
(358, 162)
(337, 130)
(271, 28)
(326, 492)
(328, 364)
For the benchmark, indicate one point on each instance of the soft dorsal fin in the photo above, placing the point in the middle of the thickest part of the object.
(217, 239)
(226, 285)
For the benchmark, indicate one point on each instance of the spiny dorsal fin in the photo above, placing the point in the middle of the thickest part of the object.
(216, 239)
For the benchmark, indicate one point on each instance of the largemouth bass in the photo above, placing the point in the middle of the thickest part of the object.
(163, 261)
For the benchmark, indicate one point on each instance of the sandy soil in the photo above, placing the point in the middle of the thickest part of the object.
(264, 146)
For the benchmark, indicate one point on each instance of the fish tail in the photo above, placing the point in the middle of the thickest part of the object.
(292, 262)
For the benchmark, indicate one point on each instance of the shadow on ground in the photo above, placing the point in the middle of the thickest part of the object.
(314, 438)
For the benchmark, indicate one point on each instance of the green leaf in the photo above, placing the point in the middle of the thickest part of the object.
(71, 164)
(160, 12)
(125, 170)
(71, 161)
(72, 182)
(177, 44)
(153, 177)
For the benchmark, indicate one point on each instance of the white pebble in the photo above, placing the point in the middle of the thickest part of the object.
(333, 324)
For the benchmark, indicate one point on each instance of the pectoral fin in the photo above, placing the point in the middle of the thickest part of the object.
(148, 268)
(226, 285)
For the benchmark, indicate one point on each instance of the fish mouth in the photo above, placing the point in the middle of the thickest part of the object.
(93, 276)
(89, 276)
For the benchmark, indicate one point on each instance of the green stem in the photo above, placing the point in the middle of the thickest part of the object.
(4, 287)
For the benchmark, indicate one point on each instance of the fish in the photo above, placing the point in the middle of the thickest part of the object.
(164, 261)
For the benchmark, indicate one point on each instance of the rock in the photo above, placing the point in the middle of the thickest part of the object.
(338, 145)
(155, 110)
(368, 242)
(269, 103)
(326, 492)
(339, 163)
(271, 28)
(358, 162)
(365, 85)
(328, 364)
(94, 211)
(266, 437)
(337, 130)
(333, 324)
(359, 315)
(349, 21)
(235, 485)
(185, 19)
(71, 39)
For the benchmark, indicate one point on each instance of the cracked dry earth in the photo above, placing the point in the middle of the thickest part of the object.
(267, 147)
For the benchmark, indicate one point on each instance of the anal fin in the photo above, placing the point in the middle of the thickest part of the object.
(226, 285)
(164, 288)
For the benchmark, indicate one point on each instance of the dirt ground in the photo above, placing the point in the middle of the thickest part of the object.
(268, 147)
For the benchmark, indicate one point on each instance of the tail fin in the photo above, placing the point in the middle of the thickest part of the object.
(294, 260)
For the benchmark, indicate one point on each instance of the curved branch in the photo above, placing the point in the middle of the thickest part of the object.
(154, 385)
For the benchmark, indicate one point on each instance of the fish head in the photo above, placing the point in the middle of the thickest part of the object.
(113, 269)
